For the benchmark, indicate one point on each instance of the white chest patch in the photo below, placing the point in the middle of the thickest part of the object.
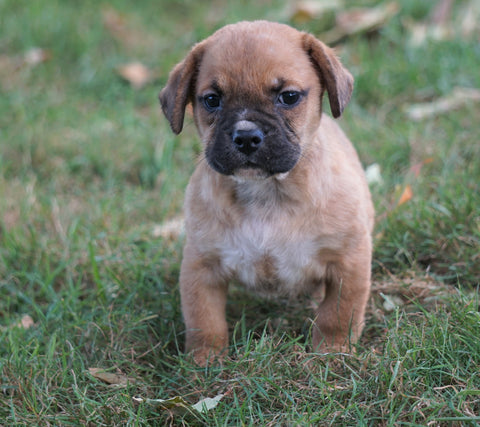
(269, 260)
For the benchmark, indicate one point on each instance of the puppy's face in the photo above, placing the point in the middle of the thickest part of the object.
(256, 91)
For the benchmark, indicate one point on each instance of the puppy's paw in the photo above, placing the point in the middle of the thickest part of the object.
(329, 346)
(204, 357)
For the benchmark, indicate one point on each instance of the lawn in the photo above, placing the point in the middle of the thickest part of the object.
(91, 331)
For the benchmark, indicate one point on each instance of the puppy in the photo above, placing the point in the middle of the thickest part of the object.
(279, 201)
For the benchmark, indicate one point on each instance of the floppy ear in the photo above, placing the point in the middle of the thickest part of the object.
(333, 75)
(180, 88)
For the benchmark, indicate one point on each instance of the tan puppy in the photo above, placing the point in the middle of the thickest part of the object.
(279, 202)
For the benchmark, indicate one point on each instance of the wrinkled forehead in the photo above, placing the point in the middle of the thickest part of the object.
(245, 61)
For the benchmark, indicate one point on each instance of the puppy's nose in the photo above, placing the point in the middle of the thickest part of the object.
(248, 140)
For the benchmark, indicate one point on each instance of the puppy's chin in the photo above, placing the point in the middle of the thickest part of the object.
(250, 174)
(253, 174)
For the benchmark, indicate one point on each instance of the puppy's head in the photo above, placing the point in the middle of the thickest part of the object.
(256, 89)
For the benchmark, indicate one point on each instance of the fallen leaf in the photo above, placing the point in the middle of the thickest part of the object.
(173, 402)
(137, 74)
(442, 12)
(180, 404)
(36, 56)
(309, 10)
(391, 302)
(125, 29)
(26, 322)
(171, 229)
(417, 167)
(10, 65)
(116, 24)
(373, 174)
(407, 195)
(361, 20)
(420, 32)
(110, 377)
(459, 97)
(441, 25)
(469, 19)
(207, 404)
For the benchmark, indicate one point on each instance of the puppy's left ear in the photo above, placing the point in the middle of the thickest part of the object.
(333, 75)
(180, 88)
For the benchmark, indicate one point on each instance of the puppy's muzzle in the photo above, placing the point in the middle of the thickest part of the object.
(247, 137)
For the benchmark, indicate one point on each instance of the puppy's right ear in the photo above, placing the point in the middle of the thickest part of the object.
(180, 88)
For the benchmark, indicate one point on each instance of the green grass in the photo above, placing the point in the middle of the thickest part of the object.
(89, 168)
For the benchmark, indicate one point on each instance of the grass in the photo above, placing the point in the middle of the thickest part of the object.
(89, 168)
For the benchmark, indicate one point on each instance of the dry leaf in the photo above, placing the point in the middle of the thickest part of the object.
(421, 32)
(171, 229)
(10, 65)
(437, 27)
(207, 404)
(305, 11)
(116, 24)
(406, 195)
(179, 403)
(469, 19)
(458, 98)
(442, 12)
(391, 302)
(36, 56)
(110, 377)
(417, 168)
(441, 25)
(26, 322)
(373, 174)
(357, 21)
(137, 74)
(124, 29)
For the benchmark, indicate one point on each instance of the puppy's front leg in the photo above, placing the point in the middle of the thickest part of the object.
(204, 295)
(340, 316)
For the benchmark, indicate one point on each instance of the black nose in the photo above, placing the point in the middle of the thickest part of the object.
(247, 141)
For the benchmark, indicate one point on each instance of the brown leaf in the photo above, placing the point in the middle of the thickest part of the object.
(110, 377)
(407, 195)
(443, 25)
(442, 12)
(179, 404)
(124, 29)
(457, 99)
(309, 10)
(115, 23)
(137, 74)
(361, 20)
(10, 65)
(417, 167)
(36, 56)
(171, 229)
(26, 322)
(469, 20)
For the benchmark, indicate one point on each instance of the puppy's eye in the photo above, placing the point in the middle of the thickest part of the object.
(212, 101)
(289, 98)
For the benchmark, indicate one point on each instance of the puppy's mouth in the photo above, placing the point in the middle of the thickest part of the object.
(251, 165)
(250, 170)
(252, 149)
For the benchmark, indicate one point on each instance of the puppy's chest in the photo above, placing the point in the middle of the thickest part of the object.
(271, 259)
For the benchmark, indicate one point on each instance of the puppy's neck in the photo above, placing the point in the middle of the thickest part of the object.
(263, 192)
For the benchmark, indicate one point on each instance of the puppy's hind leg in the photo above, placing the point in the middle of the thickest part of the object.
(203, 297)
